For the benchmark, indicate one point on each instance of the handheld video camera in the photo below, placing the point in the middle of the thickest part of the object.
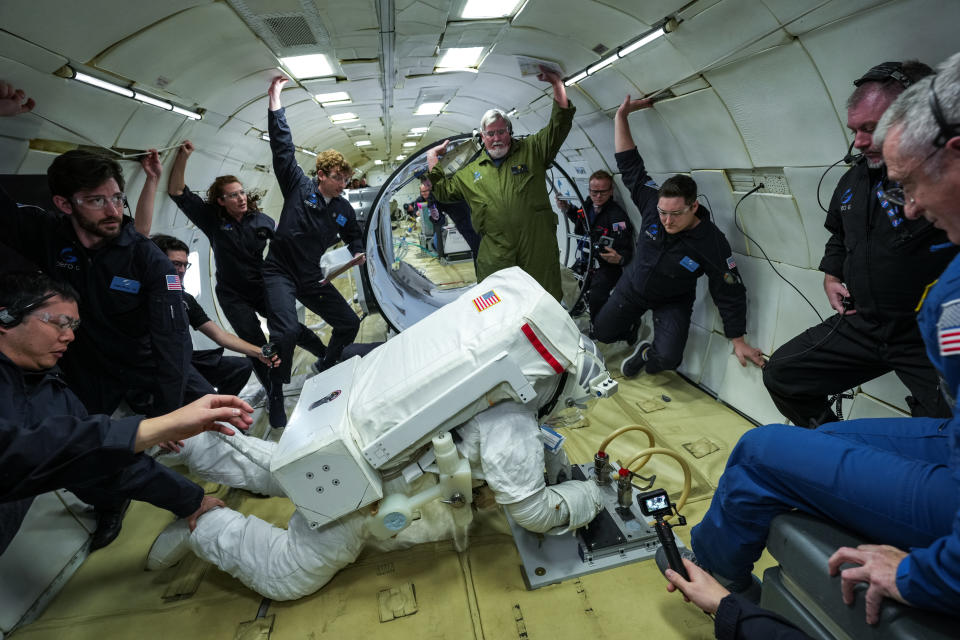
(655, 504)
(601, 243)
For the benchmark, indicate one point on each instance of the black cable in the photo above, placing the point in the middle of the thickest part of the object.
(820, 182)
(736, 221)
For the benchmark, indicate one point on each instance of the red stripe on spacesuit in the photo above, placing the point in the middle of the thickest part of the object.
(542, 350)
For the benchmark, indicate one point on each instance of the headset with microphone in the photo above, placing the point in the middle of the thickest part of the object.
(13, 315)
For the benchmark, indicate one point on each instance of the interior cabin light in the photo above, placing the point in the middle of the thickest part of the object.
(460, 58)
(478, 9)
(419, 130)
(186, 112)
(362, 143)
(87, 79)
(409, 144)
(666, 26)
(308, 152)
(314, 65)
(162, 104)
(401, 157)
(378, 162)
(338, 118)
(429, 109)
(264, 136)
(331, 99)
(102, 84)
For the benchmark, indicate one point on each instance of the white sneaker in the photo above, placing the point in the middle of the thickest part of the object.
(170, 547)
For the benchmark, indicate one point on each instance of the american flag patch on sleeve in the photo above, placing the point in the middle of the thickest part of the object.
(948, 328)
(173, 283)
(486, 301)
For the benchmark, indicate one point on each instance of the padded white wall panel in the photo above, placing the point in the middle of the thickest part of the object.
(763, 301)
(715, 364)
(793, 314)
(29, 54)
(599, 130)
(231, 97)
(785, 117)
(704, 130)
(36, 162)
(715, 186)
(789, 12)
(695, 353)
(648, 11)
(774, 222)
(656, 66)
(660, 148)
(803, 185)
(537, 43)
(888, 389)
(909, 29)
(570, 24)
(709, 35)
(623, 197)
(150, 128)
(743, 389)
(609, 87)
(705, 312)
(863, 406)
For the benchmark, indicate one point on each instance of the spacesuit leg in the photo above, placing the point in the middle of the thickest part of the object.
(506, 439)
(214, 458)
(280, 564)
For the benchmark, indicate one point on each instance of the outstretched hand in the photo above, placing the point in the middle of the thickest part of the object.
(186, 148)
(629, 106)
(151, 164)
(702, 589)
(14, 101)
(206, 414)
(744, 352)
(276, 86)
(549, 75)
(878, 568)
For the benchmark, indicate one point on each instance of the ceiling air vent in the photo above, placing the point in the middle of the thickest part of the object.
(291, 31)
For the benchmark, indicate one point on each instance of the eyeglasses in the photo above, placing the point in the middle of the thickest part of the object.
(896, 193)
(493, 133)
(181, 265)
(235, 194)
(673, 213)
(600, 192)
(100, 202)
(61, 321)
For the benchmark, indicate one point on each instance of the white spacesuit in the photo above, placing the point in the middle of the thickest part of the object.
(495, 417)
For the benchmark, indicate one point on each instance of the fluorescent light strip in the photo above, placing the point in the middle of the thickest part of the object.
(409, 144)
(362, 143)
(419, 130)
(645, 40)
(162, 104)
(310, 66)
(102, 84)
(186, 112)
(264, 136)
(575, 79)
(606, 62)
(401, 157)
(429, 109)
(460, 58)
(308, 152)
(378, 162)
(343, 117)
(478, 9)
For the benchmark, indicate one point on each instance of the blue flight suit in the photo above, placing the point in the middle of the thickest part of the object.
(48, 441)
(892, 480)
(308, 227)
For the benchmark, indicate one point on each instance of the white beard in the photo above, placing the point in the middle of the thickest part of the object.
(498, 152)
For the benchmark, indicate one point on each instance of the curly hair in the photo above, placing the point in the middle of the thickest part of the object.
(215, 192)
(331, 161)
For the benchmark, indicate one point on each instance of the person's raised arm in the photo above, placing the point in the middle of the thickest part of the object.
(14, 101)
(143, 217)
(559, 89)
(276, 86)
(177, 180)
(205, 414)
(622, 138)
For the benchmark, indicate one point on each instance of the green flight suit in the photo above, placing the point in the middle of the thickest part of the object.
(509, 206)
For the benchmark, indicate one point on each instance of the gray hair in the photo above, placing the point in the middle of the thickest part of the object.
(492, 116)
(911, 111)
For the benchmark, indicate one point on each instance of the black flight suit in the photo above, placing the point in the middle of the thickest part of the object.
(134, 334)
(663, 273)
(229, 374)
(611, 221)
(740, 619)
(238, 252)
(886, 262)
(291, 272)
(48, 441)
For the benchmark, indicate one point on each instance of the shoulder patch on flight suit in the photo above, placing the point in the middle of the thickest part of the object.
(519, 169)
(731, 263)
(689, 264)
(476, 176)
(341, 219)
(652, 230)
(173, 282)
(127, 285)
(846, 197)
(948, 328)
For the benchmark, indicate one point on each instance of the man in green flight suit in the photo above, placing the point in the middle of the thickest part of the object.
(506, 189)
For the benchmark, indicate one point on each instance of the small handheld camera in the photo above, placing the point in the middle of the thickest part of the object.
(655, 504)
(269, 350)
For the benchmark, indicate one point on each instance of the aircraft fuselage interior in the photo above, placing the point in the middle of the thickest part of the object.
(748, 98)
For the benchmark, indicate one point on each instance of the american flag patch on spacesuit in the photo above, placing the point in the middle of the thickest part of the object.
(948, 328)
(486, 301)
(173, 283)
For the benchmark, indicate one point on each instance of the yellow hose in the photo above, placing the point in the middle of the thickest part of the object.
(683, 465)
(632, 427)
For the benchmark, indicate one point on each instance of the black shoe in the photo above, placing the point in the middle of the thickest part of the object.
(109, 524)
(636, 361)
(278, 412)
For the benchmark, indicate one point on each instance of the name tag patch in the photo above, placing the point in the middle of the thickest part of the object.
(126, 285)
(689, 264)
(341, 219)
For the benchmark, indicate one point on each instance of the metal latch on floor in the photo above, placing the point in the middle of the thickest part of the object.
(397, 602)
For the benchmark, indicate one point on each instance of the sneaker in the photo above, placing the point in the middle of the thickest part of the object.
(170, 547)
(277, 411)
(634, 363)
